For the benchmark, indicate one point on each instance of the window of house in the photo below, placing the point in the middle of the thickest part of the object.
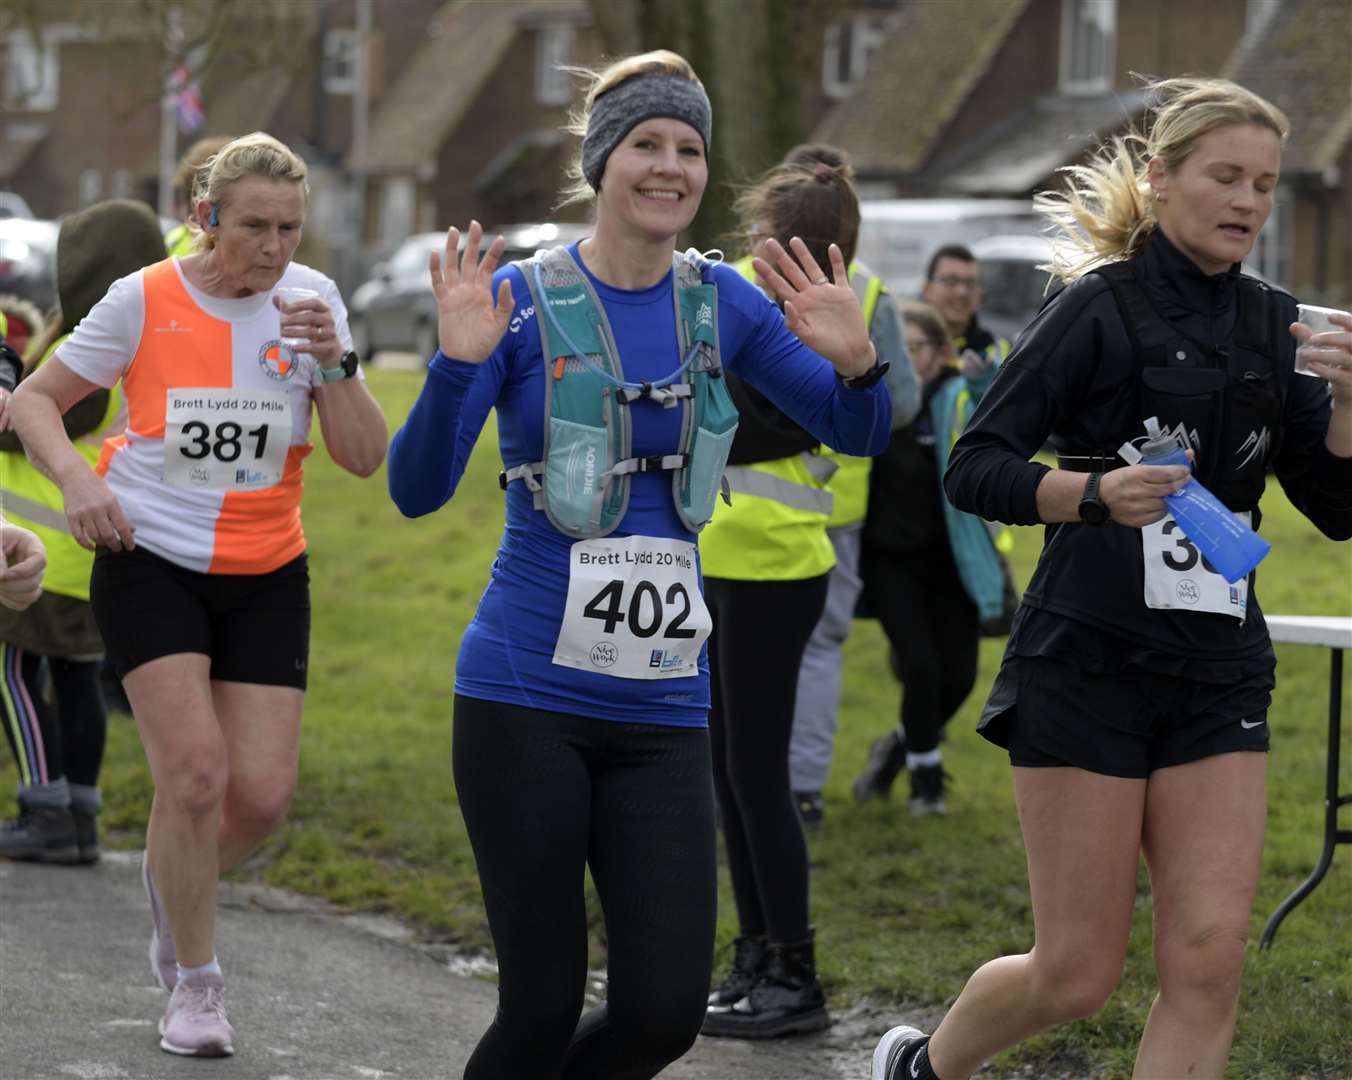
(341, 61)
(1271, 254)
(1088, 45)
(90, 187)
(848, 45)
(1257, 13)
(120, 184)
(398, 207)
(31, 75)
(553, 53)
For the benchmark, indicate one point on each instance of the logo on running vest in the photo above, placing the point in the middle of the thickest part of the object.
(277, 360)
(589, 471)
(704, 316)
(1188, 591)
(173, 328)
(1255, 446)
(604, 654)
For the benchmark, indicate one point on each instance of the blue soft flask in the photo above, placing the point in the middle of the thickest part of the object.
(1222, 538)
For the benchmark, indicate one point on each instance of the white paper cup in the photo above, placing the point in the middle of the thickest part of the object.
(293, 294)
(1317, 319)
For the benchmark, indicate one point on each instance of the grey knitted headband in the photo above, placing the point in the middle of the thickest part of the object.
(618, 111)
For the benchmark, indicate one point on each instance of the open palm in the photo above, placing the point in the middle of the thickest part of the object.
(470, 323)
(823, 313)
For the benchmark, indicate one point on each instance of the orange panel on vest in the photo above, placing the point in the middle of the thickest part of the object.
(259, 531)
(177, 335)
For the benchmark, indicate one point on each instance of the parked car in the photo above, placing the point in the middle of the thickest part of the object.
(898, 236)
(395, 308)
(13, 205)
(28, 260)
(1013, 287)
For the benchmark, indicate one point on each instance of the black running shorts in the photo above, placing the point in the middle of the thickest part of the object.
(255, 627)
(1126, 723)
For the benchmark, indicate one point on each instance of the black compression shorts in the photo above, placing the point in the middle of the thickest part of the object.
(255, 627)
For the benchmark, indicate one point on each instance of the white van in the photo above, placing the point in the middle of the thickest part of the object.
(898, 236)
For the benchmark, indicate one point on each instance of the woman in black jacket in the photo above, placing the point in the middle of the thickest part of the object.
(1134, 691)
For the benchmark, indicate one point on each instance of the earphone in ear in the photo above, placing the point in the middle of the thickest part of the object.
(215, 218)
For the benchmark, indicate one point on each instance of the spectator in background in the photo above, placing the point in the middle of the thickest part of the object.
(814, 721)
(58, 745)
(930, 572)
(766, 559)
(953, 288)
(180, 239)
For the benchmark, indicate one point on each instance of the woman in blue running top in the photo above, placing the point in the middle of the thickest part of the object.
(582, 687)
(1133, 696)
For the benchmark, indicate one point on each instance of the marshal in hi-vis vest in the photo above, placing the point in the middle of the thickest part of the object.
(582, 484)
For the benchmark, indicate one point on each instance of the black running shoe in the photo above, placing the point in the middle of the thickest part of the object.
(886, 759)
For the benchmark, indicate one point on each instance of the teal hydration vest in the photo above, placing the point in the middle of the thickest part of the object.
(583, 482)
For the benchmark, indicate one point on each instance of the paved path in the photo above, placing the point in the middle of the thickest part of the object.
(313, 995)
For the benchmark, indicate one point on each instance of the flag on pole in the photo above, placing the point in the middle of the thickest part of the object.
(187, 94)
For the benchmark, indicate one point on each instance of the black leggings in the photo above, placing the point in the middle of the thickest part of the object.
(544, 794)
(760, 631)
(934, 631)
(49, 743)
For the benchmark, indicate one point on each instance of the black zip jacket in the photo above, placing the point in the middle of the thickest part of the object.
(1073, 378)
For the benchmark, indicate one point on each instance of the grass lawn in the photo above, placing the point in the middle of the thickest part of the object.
(905, 909)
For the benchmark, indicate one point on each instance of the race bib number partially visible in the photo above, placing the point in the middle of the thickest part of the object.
(634, 609)
(1179, 578)
(225, 440)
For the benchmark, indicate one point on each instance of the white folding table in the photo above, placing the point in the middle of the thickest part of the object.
(1335, 633)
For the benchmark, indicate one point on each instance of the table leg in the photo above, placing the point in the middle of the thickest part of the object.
(1332, 801)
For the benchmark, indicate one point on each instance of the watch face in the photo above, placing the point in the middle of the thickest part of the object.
(1093, 512)
(349, 363)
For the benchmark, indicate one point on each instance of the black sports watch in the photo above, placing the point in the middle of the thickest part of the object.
(871, 376)
(1093, 510)
(346, 369)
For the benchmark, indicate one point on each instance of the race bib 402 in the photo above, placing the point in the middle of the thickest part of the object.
(634, 609)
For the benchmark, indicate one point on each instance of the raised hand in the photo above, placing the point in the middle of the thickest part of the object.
(469, 323)
(822, 311)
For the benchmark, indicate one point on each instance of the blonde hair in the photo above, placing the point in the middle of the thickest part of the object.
(1107, 209)
(598, 81)
(255, 154)
(930, 322)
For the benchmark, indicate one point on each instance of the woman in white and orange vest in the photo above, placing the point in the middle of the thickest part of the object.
(200, 582)
(58, 745)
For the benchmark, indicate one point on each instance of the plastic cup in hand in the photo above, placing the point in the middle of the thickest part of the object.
(1317, 319)
(291, 294)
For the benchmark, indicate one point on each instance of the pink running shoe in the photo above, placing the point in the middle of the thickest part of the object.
(163, 959)
(195, 1023)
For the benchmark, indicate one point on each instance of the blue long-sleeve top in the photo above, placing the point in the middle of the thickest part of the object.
(506, 652)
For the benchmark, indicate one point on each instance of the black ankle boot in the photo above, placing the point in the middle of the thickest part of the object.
(41, 834)
(748, 962)
(786, 1000)
(86, 834)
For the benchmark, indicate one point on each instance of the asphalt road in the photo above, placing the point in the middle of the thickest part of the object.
(313, 994)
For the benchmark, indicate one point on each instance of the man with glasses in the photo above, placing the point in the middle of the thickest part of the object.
(953, 286)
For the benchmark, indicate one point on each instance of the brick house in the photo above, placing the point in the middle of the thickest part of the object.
(991, 97)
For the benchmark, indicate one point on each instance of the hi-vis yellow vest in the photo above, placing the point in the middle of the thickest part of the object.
(775, 529)
(33, 501)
